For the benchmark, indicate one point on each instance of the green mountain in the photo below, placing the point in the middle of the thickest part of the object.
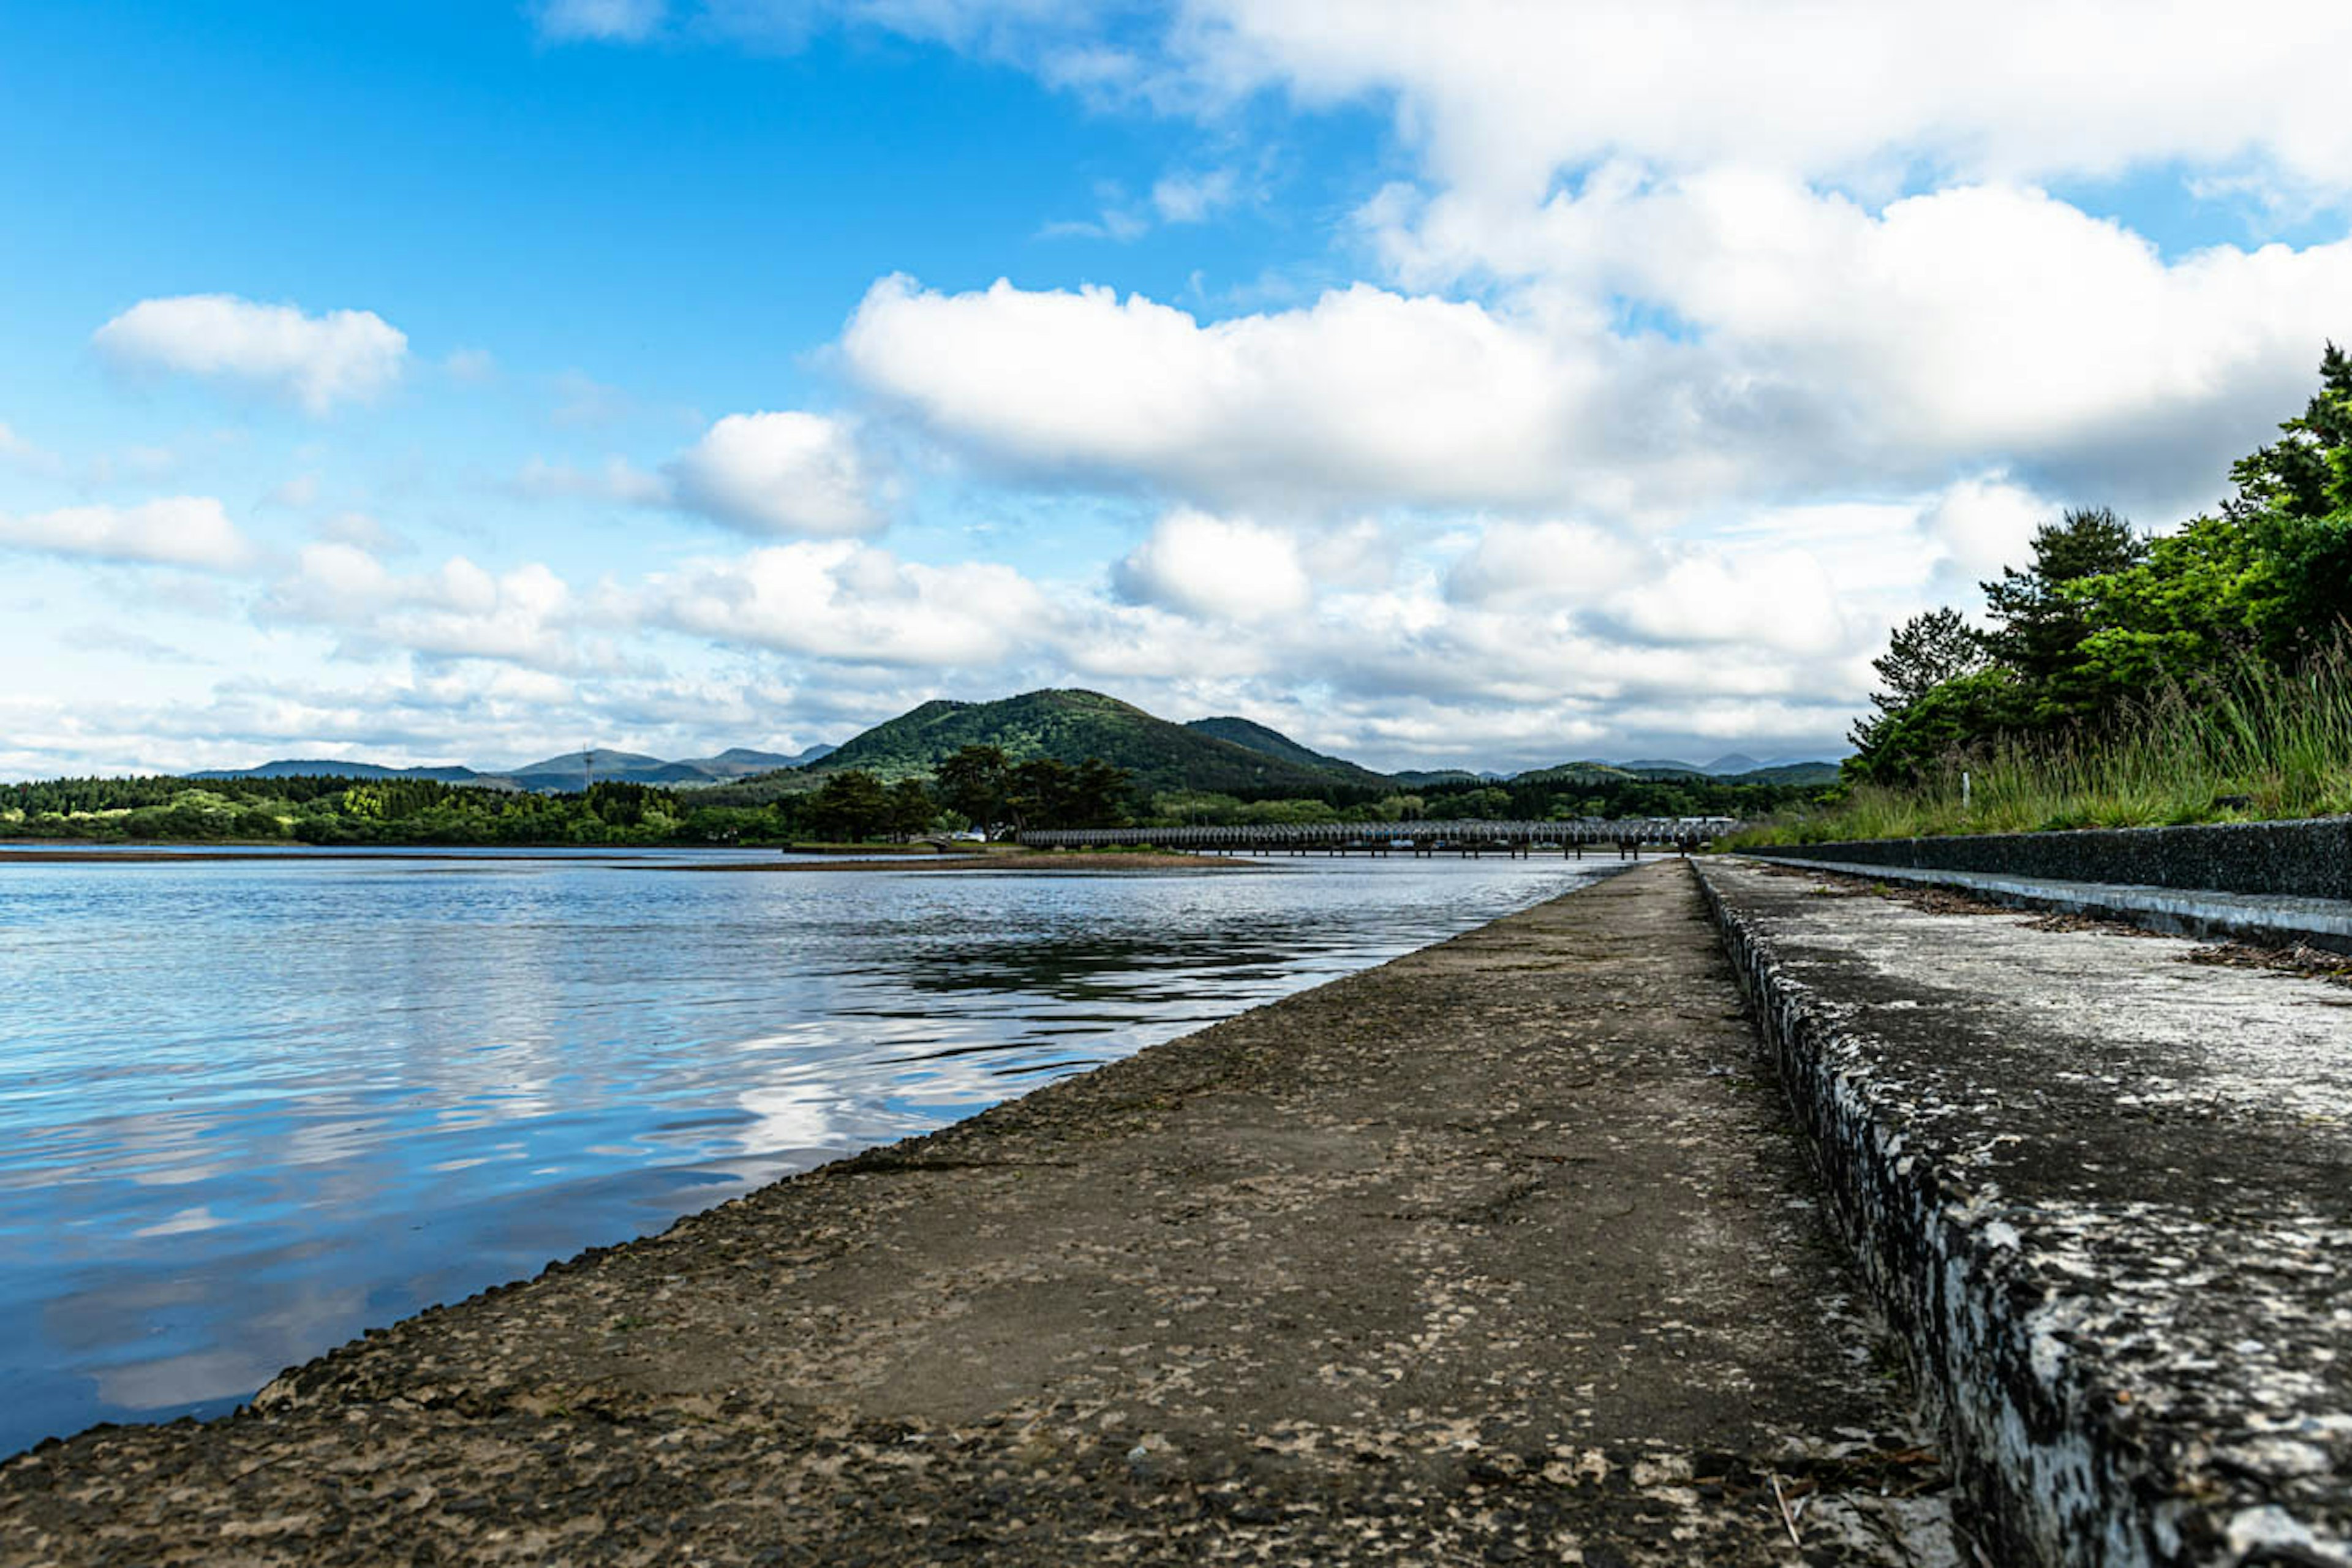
(1576, 772)
(1274, 743)
(1798, 774)
(1073, 726)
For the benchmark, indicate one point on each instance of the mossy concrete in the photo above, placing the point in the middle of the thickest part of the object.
(1505, 1251)
(2105, 1196)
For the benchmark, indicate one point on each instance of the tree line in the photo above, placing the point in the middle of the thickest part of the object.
(2104, 618)
(979, 787)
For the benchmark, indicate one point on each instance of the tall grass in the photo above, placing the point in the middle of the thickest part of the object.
(2253, 743)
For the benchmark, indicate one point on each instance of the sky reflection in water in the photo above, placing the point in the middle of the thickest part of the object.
(247, 1110)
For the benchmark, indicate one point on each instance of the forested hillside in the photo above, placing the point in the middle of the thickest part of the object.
(1072, 726)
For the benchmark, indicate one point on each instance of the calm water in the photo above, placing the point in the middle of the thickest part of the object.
(248, 1108)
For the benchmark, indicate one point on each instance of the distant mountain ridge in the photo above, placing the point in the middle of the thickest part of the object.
(1227, 754)
(557, 774)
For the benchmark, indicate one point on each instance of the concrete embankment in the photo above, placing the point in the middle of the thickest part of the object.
(1504, 1251)
(2103, 1195)
(2278, 884)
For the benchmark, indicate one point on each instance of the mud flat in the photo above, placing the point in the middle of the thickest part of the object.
(2104, 1193)
(1505, 1251)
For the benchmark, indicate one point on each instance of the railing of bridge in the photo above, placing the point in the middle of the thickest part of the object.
(1415, 837)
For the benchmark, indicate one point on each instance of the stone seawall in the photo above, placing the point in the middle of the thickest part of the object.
(2309, 859)
(2100, 1194)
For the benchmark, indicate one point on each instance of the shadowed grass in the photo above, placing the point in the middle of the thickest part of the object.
(2254, 745)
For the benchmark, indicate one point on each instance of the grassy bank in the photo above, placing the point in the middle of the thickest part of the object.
(2257, 745)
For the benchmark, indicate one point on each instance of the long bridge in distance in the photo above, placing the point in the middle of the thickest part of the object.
(1627, 836)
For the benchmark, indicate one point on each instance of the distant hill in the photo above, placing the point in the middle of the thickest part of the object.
(741, 762)
(326, 767)
(1075, 725)
(561, 774)
(1576, 772)
(1790, 773)
(1274, 743)
(1227, 756)
(1737, 763)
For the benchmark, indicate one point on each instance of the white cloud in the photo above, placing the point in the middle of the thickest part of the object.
(1366, 394)
(789, 473)
(319, 361)
(175, 530)
(1500, 95)
(1217, 568)
(612, 21)
(1823, 347)
(840, 600)
(526, 615)
(1548, 562)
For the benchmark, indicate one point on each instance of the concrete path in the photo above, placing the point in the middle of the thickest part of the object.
(2260, 919)
(2103, 1181)
(1504, 1251)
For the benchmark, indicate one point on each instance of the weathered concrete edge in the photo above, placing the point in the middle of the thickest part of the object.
(2311, 858)
(2052, 1482)
(2262, 920)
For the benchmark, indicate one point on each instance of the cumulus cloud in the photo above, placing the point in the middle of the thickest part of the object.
(317, 361)
(174, 531)
(854, 603)
(1501, 95)
(789, 473)
(1217, 568)
(1544, 563)
(1366, 394)
(525, 616)
(1824, 345)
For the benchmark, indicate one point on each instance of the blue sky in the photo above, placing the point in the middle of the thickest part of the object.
(1486, 384)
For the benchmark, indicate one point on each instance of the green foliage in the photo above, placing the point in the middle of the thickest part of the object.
(976, 781)
(2103, 619)
(2251, 741)
(2039, 621)
(1943, 721)
(2140, 680)
(1925, 652)
(851, 807)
